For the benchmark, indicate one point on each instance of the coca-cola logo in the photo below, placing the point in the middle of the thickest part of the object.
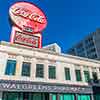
(26, 14)
(28, 40)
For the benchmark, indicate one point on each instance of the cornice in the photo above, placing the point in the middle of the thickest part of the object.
(42, 50)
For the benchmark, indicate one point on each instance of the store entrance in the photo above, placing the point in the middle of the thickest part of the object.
(25, 96)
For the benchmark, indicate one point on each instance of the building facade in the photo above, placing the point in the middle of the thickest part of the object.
(38, 74)
(89, 47)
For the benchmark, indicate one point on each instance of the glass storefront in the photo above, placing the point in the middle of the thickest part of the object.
(10, 96)
(62, 96)
(84, 97)
(96, 96)
(53, 96)
(25, 96)
(67, 97)
(44, 96)
(70, 97)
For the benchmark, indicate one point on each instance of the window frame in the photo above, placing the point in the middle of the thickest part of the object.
(85, 72)
(39, 73)
(8, 66)
(67, 73)
(78, 78)
(50, 75)
(95, 77)
(29, 72)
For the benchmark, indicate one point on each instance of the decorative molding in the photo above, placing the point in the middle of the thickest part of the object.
(26, 58)
(49, 52)
(12, 56)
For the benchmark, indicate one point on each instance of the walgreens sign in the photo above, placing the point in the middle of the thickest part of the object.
(25, 14)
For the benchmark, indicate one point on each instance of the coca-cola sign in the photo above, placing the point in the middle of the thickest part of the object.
(28, 15)
(26, 39)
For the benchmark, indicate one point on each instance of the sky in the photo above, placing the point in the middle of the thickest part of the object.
(69, 21)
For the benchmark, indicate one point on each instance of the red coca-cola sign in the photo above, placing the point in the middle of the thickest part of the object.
(25, 14)
(27, 40)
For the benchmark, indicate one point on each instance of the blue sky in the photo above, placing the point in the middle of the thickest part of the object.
(68, 20)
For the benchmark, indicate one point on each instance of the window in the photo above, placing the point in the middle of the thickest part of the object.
(10, 96)
(83, 97)
(53, 96)
(87, 76)
(52, 72)
(10, 68)
(26, 69)
(78, 75)
(37, 96)
(95, 78)
(67, 74)
(40, 70)
(66, 96)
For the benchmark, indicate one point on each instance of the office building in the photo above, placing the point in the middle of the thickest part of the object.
(88, 47)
